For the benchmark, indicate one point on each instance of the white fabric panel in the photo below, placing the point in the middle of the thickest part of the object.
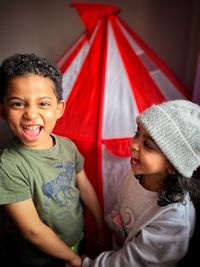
(137, 49)
(120, 109)
(113, 170)
(168, 89)
(148, 63)
(72, 72)
(69, 52)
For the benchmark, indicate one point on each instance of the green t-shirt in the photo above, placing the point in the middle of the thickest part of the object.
(48, 177)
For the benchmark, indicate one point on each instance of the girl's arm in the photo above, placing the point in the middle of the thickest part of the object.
(162, 242)
(40, 235)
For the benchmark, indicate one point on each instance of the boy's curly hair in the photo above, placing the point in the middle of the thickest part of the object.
(22, 64)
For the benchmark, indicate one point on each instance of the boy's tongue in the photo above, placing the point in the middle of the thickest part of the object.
(31, 132)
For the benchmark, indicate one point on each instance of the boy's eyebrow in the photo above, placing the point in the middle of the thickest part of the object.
(19, 98)
(14, 97)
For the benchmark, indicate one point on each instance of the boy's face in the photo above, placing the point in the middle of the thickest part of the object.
(31, 110)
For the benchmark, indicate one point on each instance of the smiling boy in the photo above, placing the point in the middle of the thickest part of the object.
(42, 178)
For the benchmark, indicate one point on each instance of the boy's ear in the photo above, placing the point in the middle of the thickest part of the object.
(2, 111)
(60, 108)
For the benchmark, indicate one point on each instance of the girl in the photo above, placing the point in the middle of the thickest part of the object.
(154, 218)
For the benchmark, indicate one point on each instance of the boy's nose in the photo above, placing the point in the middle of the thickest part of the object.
(30, 113)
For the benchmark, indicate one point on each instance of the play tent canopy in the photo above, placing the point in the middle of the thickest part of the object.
(109, 76)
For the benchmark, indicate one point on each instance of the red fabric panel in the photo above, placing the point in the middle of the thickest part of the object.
(90, 152)
(157, 60)
(81, 117)
(101, 81)
(144, 89)
(118, 147)
(90, 13)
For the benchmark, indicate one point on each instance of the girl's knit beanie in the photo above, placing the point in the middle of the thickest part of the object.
(175, 127)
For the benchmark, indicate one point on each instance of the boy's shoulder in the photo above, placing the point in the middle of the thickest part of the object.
(65, 143)
(63, 140)
(7, 153)
(8, 158)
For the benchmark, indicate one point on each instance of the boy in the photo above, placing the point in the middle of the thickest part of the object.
(41, 175)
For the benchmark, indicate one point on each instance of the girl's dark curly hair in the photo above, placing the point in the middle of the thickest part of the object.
(22, 64)
(176, 187)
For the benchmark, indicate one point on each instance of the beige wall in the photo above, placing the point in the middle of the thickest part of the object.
(48, 27)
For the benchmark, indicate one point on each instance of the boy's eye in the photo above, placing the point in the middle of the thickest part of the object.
(45, 104)
(17, 105)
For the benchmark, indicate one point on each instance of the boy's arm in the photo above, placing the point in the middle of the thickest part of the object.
(90, 200)
(39, 234)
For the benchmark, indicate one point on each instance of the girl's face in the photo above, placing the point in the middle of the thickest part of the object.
(148, 160)
(31, 110)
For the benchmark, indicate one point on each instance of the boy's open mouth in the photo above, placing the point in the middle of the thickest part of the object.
(31, 131)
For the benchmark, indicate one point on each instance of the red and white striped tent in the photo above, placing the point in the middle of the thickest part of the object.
(109, 76)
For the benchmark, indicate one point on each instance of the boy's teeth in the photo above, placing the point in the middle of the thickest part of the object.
(31, 127)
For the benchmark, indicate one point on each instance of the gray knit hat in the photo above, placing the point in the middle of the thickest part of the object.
(175, 127)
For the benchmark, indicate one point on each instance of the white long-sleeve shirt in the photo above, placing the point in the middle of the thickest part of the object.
(149, 235)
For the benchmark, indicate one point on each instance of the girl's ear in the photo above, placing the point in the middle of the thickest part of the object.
(60, 109)
(2, 111)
